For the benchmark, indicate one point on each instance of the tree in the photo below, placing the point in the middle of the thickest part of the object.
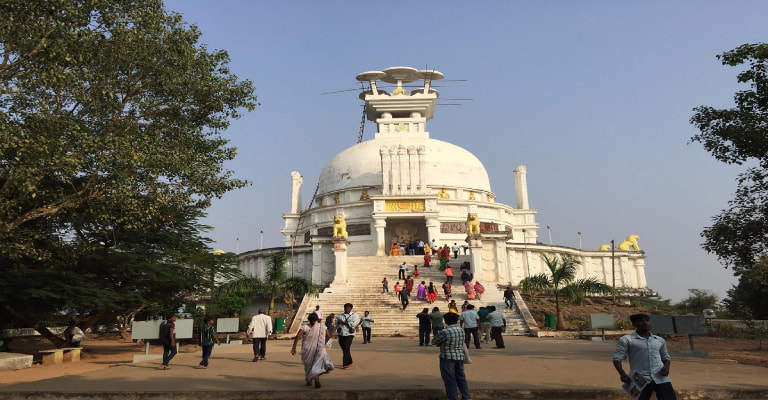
(276, 283)
(738, 135)
(561, 282)
(697, 301)
(111, 121)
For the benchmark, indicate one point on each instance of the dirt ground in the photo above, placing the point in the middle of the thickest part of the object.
(105, 351)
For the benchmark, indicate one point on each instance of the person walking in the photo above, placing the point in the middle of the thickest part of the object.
(437, 320)
(365, 324)
(404, 299)
(329, 322)
(455, 249)
(648, 356)
(449, 273)
(431, 293)
(398, 288)
(498, 325)
(421, 291)
(470, 321)
(259, 330)
(385, 286)
(509, 296)
(425, 326)
(451, 342)
(409, 285)
(313, 355)
(485, 324)
(447, 290)
(401, 270)
(345, 326)
(319, 313)
(207, 339)
(479, 290)
(168, 339)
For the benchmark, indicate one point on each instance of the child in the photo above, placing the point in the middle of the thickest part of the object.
(416, 271)
(207, 338)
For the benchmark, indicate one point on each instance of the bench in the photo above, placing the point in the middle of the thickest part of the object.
(57, 356)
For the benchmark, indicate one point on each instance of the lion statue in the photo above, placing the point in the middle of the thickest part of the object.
(631, 241)
(339, 226)
(473, 224)
(605, 247)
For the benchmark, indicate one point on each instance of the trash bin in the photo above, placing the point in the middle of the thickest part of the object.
(549, 321)
(279, 324)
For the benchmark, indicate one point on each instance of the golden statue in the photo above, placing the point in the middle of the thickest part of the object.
(471, 195)
(631, 241)
(443, 194)
(399, 91)
(491, 197)
(605, 247)
(336, 198)
(473, 224)
(364, 195)
(320, 201)
(339, 226)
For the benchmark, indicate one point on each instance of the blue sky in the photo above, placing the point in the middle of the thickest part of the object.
(594, 97)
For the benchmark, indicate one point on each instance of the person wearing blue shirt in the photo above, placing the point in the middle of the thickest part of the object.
(648, 356)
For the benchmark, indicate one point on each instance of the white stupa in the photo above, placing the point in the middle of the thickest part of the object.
(404, 186)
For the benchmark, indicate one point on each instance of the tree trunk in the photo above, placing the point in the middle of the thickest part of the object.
(559, 315)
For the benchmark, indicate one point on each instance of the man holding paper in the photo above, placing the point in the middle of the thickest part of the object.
(648, 362)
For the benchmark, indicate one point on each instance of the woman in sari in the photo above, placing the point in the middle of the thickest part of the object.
(470, 290)
(421, 291)
(316, 361)
(479, 289)
(431, 293)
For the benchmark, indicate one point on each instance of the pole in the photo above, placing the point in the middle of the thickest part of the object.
(261, 239)
(550, 235)
(579, 233)
(237, 245)
(613, 270)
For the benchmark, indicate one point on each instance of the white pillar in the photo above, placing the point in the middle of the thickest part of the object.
(403, 169)
(386, 169)
(340, 256)
(521, 188)
(413, 169)
(476, 257)
(433, 229)
(422, 151)
(395, 170)
(380, 223)
(317, 264)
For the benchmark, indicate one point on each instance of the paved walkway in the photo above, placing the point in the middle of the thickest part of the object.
(397, 368)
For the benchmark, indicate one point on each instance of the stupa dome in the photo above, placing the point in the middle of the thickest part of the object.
(447, 166)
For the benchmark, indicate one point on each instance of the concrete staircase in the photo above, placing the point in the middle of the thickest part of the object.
(363, 289)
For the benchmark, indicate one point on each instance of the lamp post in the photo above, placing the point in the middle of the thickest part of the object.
(550, 235)
(579, 233)
(261, 239)
(613, 271)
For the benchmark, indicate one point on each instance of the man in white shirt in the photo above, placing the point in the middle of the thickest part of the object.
(470, 321)
(346, 324)
(259, 330)
(319, 313)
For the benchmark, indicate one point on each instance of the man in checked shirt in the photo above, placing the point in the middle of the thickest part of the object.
(451, 341)
(648, 355)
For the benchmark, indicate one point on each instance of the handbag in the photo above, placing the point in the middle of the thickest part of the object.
(467, 358)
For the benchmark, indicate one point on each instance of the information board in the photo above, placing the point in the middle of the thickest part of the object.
(151, 329)
(601, 321)
(227, 325)
(690, 325)
(662, 325)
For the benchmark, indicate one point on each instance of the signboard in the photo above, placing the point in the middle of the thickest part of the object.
(601, 321)
(662, 325)
(151, 329)
(227, 325)
(690, 325)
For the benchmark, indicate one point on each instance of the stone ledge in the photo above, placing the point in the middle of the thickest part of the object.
(13, 361)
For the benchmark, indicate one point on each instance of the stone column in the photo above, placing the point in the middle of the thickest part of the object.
(422, 151)
(476, 256)
(340, 255)
(413, 169)
(403, 169)
(386, 169)
(521, 188)
(395, 169)
(433, 229)
(640, 265)
(380, 223)
(317, 264)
